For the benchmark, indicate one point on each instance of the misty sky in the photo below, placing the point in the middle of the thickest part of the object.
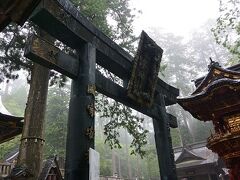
(174, 16)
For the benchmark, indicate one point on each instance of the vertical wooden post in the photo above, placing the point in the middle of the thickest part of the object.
(31, 147)
(164, 145)
(80, 135)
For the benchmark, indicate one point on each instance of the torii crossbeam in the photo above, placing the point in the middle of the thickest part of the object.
(64, 22)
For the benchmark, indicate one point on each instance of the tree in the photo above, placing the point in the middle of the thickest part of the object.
(178, 72)
(31, 147)
(98, 11)
(183, 62)
(227, 30)
(56, 121)
(202, 45)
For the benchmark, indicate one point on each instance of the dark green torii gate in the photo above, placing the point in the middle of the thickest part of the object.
(64, 22)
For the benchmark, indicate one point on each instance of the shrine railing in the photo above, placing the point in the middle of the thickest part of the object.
(5, 169)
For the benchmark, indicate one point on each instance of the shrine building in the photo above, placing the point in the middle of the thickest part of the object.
(217, 99)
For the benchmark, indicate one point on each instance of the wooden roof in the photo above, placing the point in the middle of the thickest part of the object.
(217, 95)
(187, 155)
(196, 159)
(215, 73)
(231, 68)
(50, 168)
(10, 126)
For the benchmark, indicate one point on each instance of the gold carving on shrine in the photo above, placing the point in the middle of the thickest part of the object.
(217, 99)
(217, 72)
(234, 123)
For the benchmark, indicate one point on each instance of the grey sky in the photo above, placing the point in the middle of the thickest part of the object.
(176, 16)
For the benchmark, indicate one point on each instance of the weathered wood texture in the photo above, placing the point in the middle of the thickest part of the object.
(46, 54)
(31, 147)
(146, 65)
(80, 136)
(66, 23)
(10, 126)
(113, 90)
(232, 68)
(40, 51)
(164, 145)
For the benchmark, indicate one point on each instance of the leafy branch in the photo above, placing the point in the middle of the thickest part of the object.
(227, 30)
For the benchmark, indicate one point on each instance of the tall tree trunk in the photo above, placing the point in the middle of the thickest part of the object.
(119, 166)
(127, 154)
(114, 168)
(31, 147)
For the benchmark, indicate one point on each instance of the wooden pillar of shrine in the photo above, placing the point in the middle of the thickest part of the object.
(80, 136)
(164, 145)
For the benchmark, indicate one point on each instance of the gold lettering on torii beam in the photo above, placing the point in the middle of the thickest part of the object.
(91, 89)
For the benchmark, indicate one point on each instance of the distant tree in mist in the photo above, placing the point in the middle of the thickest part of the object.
(185, 61)
(227, 29)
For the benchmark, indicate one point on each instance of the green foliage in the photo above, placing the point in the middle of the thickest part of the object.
(96, 11)
(122, 32)
(176, 137)
(152, 162)
(105, 155)
(9, 146)
(11, 48)
(186, 61)
(227, 30)
(119, 14)
(114, 18)
(99, 12)
(56, 121)
(121, 116)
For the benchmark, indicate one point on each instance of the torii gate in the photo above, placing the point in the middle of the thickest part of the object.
(64, 22)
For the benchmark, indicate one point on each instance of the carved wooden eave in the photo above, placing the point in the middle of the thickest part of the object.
(15, 11)
(214, 74)
(216, 96)
(235, 68)
(10, 126)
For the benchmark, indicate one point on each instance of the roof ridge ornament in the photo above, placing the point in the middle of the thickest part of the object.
(213, 63)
